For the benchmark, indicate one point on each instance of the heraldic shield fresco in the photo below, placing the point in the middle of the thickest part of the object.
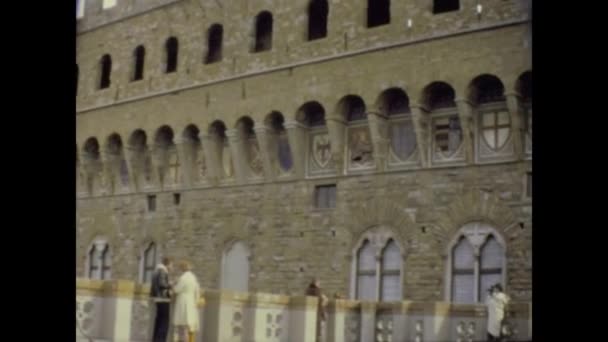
(360, 149)
(320, 160)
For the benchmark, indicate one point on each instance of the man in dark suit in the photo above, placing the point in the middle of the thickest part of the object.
(160, 292)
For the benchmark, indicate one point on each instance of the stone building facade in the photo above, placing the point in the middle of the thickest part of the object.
(386, 150)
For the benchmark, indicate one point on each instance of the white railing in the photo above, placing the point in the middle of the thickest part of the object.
(121, 311)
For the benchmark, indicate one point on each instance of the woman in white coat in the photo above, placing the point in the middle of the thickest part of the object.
(185, 312)
(496, 303)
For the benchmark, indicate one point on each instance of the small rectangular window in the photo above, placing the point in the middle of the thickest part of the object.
(108, 4)
(325, 196)
(442, 6)
(151, 203)
(176, 199)
(529, 184)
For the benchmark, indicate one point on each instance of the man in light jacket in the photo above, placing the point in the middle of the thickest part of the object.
(496, 303)
(160, 292)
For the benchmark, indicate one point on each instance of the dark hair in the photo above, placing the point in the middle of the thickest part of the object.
(166, 261)
(498, 287)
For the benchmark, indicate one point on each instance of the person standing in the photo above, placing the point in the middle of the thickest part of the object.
(160, 291)
(496, 303)
(314, 290)
(187, 294)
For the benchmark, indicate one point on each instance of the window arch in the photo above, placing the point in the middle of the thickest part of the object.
(394, 104)
(221, 148)
(477, 261)
(117, 162)
(439, 99)
(171, 54)
(235, 267)
(139, 55)
(317, 19)
(378, 12)
(378, 268)
(166, 153)
(487, 94)
(311, 115)
(250, 146)
(194, 158)
(93, 165)
(215, 36)
(140, 159)
(359, 143)
(99, 260)
(279, 141)
(105, 69)
(263, 32)
(148, 262)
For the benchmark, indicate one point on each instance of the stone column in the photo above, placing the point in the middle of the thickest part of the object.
(378, 127)
(337, 129)
(239, 159)
(368, 321)
(265, 142)
(296, 134)
(517, 119)
(437, 322)
(211, 148)
(466, 114)
(302, 318)
(118, 302)
(421, 121)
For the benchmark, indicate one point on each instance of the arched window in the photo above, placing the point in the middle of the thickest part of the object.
(117, 162)
(278, 138)
(263, 32)
(439, 99)
(394, 103)
(139, 55)
(93, 166)
(80, 9)
(391, 273)
(366, 272)
(311, 115)
(99, 261)
(105, 68)
(477, 262)
(463, 272)
(214, 44)
(378, 12)
(359, 143)
(221, 148)
(235, 268)
(166, 153)
(171, 51)
(317, 19)
(194, 158)
(250, 146)
(487, 94)
(378, 278)
(150, 258)
(141, 159)
(442, 6)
